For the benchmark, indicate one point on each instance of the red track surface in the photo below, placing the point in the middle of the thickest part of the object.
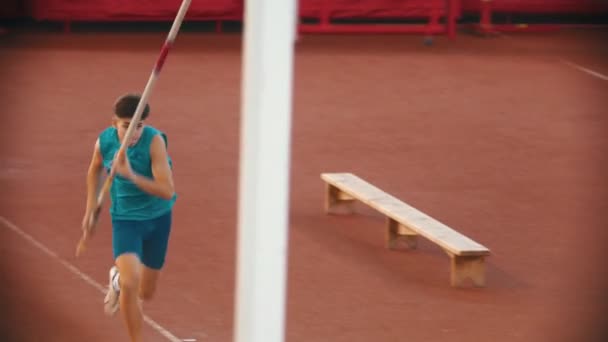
(498, 138)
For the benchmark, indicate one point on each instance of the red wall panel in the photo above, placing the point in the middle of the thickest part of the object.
(130, 9)
(540, 6)
(213, 9)
(372, 8)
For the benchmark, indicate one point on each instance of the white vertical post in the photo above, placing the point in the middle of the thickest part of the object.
(264, 170)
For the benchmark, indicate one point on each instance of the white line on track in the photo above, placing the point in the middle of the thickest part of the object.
(157, 327)
(585, 70)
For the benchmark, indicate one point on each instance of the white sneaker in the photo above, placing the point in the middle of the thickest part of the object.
(110, 302)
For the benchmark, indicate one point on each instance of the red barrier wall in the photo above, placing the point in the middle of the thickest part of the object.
(132, 9)
(540, 6)
(340, 9)
(486, 8)
(430, 11)
(216, 9)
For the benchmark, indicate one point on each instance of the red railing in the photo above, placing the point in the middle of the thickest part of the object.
(487, 8)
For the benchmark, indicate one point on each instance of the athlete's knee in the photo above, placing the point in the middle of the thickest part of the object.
(129, 283)
(130, 273)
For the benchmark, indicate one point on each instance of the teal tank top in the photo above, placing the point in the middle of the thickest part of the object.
(128, 201)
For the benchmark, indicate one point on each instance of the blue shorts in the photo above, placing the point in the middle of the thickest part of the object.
(148, 239)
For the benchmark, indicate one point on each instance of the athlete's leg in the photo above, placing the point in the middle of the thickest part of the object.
(149, 281)
(154, 250)
(130, 277)
(127, 246)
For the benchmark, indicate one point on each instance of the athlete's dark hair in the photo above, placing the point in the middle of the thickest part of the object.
(126, 105)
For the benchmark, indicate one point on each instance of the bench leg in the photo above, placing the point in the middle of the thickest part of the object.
(335, 198)
(396, 231)
(463, 267)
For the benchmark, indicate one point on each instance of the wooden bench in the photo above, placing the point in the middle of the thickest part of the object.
(407, 223)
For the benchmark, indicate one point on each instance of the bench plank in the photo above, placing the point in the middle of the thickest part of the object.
(432, 229)
(405, 222)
